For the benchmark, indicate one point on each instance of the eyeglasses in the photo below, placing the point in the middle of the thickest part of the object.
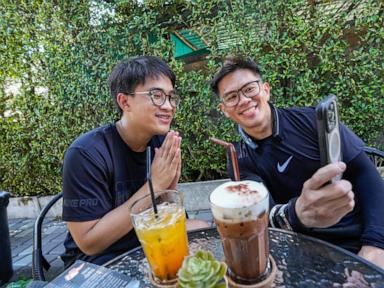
(159, 97)
(249, 90)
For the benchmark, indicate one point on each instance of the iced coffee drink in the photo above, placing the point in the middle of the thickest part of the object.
(240, 210)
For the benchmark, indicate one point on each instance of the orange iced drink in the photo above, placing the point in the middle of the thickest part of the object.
(163, 238)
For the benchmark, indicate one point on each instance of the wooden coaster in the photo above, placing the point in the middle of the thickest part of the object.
(266, 283)
(172, 283)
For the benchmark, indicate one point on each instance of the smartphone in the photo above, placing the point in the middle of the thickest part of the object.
(327, 118)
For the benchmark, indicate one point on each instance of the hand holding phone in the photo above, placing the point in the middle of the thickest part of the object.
(328, 132)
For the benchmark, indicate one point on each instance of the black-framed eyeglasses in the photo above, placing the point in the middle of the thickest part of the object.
(158, 97)
(249, 90)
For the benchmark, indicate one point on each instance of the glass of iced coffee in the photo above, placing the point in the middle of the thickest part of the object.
(163, 236)
(240, 211)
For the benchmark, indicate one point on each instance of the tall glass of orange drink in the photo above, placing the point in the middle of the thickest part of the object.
(163, 235)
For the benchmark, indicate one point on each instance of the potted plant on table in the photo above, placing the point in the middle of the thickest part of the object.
(202, 270)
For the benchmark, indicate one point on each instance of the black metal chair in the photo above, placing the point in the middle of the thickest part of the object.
(377, 158)
(38, 260)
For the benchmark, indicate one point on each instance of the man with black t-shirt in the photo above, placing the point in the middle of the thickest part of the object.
(105, 169)
(280, 148)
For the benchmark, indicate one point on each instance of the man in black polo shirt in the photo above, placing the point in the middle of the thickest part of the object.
(280, 148)
(105, 169)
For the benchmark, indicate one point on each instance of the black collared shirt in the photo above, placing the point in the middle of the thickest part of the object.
(290, 156)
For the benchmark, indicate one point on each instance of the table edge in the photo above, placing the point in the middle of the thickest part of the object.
(307, 237)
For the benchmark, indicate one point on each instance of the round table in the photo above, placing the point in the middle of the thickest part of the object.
(302, 261)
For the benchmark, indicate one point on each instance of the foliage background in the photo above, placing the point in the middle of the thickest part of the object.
(59, 54)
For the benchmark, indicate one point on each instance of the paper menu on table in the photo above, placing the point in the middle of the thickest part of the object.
(83, 275)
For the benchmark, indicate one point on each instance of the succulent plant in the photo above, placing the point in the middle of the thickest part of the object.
(202, 270)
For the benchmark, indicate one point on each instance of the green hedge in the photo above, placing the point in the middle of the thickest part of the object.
(61, 53)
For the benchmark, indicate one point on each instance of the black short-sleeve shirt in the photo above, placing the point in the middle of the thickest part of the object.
(100, 173)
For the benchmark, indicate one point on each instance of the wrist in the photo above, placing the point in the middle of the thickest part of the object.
(293, 217)
(173, 186)
(156, 187)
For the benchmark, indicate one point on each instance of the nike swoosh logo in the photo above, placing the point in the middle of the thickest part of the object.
(281, 168)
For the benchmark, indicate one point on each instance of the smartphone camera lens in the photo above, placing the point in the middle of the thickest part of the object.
(331, 117)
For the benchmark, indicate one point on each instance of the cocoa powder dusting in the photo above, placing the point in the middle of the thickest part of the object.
(241, 189)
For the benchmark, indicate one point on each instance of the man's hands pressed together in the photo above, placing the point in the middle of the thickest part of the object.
(166, 165)
(166, 170)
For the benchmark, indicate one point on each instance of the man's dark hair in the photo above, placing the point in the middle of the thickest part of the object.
(231, 64)
(129, 73)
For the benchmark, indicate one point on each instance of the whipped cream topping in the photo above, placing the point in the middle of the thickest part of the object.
(238, 194)
(237, 200)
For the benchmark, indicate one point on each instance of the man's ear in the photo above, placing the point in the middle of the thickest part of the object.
(266, 90)
(123, 101)
(223, 110)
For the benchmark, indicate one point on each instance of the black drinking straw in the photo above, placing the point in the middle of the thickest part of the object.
(149, 179)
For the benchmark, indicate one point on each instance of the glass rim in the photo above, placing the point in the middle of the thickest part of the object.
(157, 193)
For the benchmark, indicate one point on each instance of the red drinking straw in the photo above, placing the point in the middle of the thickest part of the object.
(232, 152)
